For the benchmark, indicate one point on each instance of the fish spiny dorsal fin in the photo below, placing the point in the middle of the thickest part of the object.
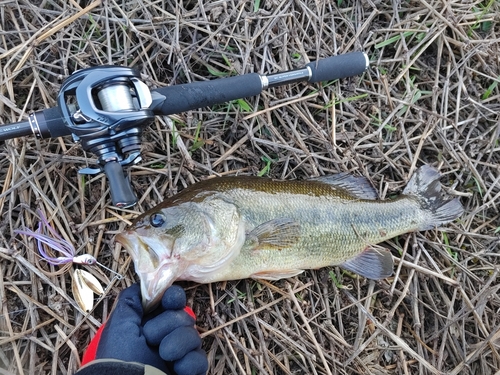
(372, 263)
(357, 186)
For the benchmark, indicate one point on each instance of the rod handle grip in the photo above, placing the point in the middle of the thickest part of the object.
(337, 67)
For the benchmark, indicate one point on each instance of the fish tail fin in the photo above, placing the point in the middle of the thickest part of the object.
(426, 188)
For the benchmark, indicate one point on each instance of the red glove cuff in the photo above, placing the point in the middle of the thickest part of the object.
(91, 351)
(190, 312)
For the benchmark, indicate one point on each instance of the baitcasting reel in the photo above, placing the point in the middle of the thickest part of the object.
(105, 109)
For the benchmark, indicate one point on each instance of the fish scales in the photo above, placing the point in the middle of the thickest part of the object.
(237, 227)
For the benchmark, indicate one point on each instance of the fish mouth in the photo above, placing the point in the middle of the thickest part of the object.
(153, 286)
(132, 244)
(155, 275)
(126, 241)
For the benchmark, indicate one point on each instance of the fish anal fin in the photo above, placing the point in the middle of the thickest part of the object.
(274, 234)
(358, 186)
(276, 274)
(372, 263)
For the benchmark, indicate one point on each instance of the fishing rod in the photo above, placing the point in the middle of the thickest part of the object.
(105, 108)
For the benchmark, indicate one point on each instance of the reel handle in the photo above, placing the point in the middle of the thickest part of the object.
(121, 191)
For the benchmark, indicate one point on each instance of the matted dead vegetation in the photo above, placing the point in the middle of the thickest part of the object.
(430, 96)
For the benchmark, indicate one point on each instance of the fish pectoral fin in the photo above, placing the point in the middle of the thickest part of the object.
(372, 263)
(276, 275)
(275, 234)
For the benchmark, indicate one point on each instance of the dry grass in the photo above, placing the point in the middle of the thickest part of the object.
(430, 96)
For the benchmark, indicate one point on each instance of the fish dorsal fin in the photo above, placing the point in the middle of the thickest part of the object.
(357, 186)
(372, 263)
(277, 234)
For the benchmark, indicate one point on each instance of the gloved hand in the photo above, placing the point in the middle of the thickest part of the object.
(165, 339)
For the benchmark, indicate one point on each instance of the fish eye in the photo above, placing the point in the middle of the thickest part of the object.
(157, 220)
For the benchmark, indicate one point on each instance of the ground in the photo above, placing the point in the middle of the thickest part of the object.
(430, 96)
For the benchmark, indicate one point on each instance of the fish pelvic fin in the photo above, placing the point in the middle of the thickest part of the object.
(425, 187)
(372, 263)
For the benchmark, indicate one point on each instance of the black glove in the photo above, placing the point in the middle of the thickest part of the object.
(165, 339)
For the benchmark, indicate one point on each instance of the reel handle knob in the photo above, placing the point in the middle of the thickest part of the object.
(121, 191)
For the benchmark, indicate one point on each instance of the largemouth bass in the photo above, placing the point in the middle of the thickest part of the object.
(231, 228)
